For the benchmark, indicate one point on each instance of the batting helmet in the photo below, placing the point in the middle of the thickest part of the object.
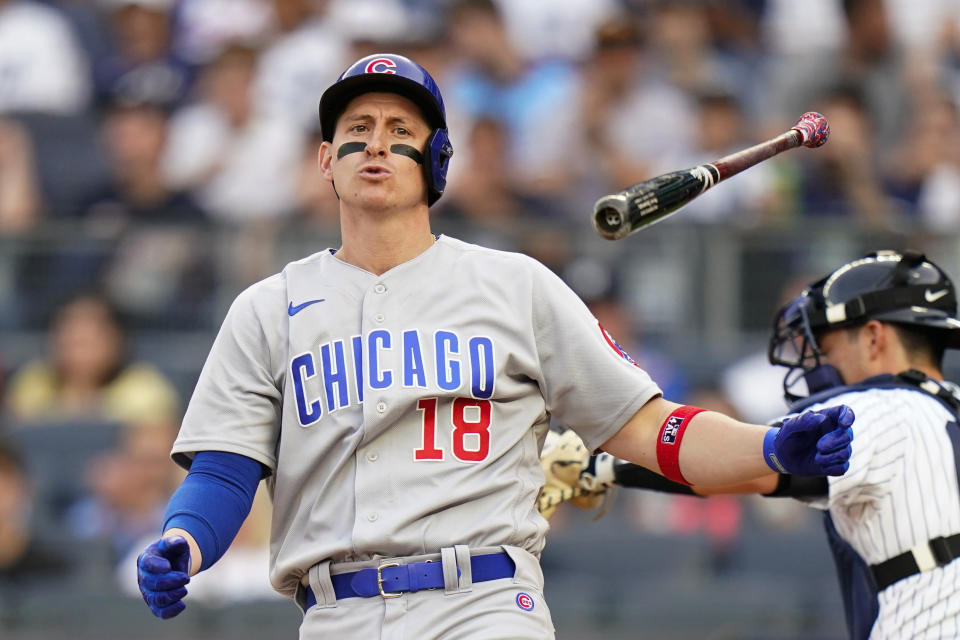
(392, 73)
(902, 288)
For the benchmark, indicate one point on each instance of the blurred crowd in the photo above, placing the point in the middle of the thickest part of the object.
(144, 124)
(132, 132)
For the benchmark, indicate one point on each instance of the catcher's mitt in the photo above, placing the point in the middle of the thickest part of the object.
(564, 459)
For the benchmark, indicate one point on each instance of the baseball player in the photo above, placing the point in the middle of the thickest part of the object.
(871, 335)
(395, 393)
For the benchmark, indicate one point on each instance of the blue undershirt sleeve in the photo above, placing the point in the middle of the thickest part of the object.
(214, 500)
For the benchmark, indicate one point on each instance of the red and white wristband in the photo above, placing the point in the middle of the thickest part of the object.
(668, 441)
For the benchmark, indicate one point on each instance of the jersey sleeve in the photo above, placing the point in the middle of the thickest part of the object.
(589, 382)
(236, 405)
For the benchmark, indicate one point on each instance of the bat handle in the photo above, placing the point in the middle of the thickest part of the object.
(813, 129)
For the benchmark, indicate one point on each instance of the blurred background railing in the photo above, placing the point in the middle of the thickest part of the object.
(703, 293)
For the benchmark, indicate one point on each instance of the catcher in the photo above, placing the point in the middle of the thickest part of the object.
(870, 335)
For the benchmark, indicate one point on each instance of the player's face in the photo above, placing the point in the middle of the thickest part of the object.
(846, 351)
(375, 176)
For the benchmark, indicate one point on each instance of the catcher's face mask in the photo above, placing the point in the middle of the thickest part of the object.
(794, 345)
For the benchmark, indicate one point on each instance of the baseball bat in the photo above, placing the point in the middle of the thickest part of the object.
(619, 214)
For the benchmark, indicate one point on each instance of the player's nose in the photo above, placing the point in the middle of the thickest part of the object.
(376, 144)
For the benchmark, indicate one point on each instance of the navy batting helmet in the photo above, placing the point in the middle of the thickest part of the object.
(902, 288)
(392, 73)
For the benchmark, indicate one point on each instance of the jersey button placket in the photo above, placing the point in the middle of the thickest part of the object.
(379, 288)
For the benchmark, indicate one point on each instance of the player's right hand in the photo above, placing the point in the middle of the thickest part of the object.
(162, 571)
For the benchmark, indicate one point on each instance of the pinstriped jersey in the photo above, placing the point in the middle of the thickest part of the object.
(404, 412)
(901, 491)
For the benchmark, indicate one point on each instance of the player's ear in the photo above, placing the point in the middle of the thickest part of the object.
(325, 160)
(877, 337)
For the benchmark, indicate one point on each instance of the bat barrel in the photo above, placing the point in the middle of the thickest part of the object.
(619, 214)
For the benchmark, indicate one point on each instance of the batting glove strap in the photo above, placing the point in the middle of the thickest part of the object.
(769, 453)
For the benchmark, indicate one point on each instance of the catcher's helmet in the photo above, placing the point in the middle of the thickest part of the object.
(901, 288)
(392, 73)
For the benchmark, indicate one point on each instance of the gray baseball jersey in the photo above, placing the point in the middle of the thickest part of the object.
(900, 491)
(405, 412)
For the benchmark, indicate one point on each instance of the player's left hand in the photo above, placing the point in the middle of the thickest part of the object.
(814, 443)
(563, 459)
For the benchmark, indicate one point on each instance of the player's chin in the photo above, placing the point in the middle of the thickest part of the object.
(382, 197)
(371, 197)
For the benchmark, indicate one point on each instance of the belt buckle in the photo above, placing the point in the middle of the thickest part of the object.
(380, 580)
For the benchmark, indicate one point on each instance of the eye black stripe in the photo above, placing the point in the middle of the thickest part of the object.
(407, 150)
(350, 147)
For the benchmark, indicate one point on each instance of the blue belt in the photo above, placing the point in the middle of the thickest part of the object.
(391, 579)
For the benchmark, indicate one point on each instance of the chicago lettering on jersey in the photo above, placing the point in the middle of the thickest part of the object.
(335, 374)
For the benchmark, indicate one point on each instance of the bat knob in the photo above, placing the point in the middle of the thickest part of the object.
(813, 129)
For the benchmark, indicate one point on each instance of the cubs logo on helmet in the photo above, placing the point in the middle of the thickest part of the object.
(381, 65)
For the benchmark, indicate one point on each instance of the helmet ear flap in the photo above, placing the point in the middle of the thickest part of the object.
(435, 163)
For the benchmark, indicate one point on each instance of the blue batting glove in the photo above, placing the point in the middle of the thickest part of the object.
(814, 443)
(162, 571)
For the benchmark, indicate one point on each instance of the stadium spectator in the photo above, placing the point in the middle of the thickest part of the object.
(89, 374)
(802, 41)
(134, 134)
(925, 172)
(866, 57)
(485, 192)
(536, 101)
(305, 55)
(126, 488)
(156, 271)
(24, 557)
(721, 128)
(843, 179)
(316, 200)
(142, 63)
(43, 68)
(680, 43)
(204, 28)
(240, 164)
(376, 21)
(20, 198)
(543, 29)
(633, 120)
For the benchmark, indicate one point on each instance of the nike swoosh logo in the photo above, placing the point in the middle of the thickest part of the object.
(932, 296)
(294, 310)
